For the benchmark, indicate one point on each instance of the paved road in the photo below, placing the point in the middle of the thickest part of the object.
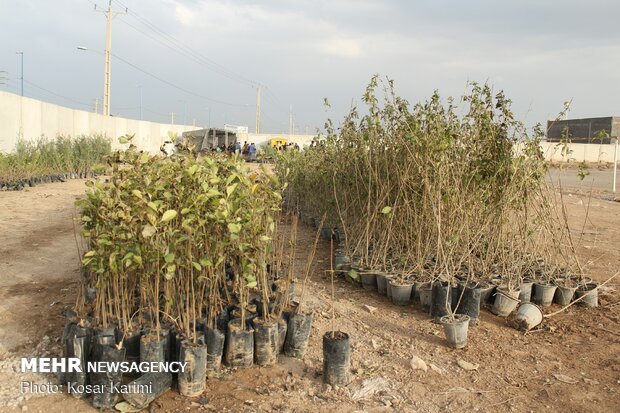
(600, 180)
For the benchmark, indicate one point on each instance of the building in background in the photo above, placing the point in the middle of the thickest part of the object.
(587, 130)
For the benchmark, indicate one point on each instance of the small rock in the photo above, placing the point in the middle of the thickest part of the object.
(565, 379)
(375, 344)
(24, 408)
(435, 368)
(370, 308)
(418, 364)
(249, 402)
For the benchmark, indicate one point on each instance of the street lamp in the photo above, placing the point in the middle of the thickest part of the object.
(22, 71)
(106, 80)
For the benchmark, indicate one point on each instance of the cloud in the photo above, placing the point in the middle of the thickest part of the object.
(341, 47)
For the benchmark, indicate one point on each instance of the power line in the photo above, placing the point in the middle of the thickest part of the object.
(185, 50)
(174, 85)
(78, 102)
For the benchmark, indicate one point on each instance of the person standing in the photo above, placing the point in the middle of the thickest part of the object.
(252, 152)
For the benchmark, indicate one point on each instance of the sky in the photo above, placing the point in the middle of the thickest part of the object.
(204, 59)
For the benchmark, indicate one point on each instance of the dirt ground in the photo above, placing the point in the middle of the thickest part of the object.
(571, 364)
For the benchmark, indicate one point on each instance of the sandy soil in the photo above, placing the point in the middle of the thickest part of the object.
(571, 364)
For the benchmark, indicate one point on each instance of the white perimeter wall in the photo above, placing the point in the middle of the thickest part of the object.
(31, 119)
(579, 152)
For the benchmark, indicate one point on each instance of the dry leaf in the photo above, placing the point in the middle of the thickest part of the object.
(465, 365)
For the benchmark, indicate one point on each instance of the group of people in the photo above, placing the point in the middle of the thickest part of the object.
(248, 151)
(286, 146)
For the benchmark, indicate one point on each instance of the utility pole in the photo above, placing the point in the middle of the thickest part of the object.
(172, 118)
(257, 128)
(22, 71)
(108, 52)
(140, 89)
(96, 105)
(290, 121)
(615, 169)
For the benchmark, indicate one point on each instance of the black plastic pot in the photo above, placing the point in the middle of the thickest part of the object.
(487, 294)
(67, 349)
(401, 293)
(131, 344)
(382, 284)
(564, 295)
(336, 358)
(192, 380)
(239, 345)
(78, 345)
(455, 329)
(157, 383)
(80, 352)
(297, 335)
(426, 296)
(214, 339)
(108, 380)
(440, 300)
(152, 348)
(266, 339)
(282, 329)
(543, 293)
(222, 320)
(590, 290)
(369, 281)
(470, 302)
(525, 295)
(102, 337)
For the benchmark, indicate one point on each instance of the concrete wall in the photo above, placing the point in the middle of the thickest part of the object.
(31, 119)
(579, 152)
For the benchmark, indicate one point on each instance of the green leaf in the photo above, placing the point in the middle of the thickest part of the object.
(192, 169)
(137, 193)
(353, 274)
(90, 254)
(252, 284)
(148, 231)
(169, 258)
(386, 210)
(196, 265)
(230, 189)
(185, 211)
(234, 228)
(169, 215)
